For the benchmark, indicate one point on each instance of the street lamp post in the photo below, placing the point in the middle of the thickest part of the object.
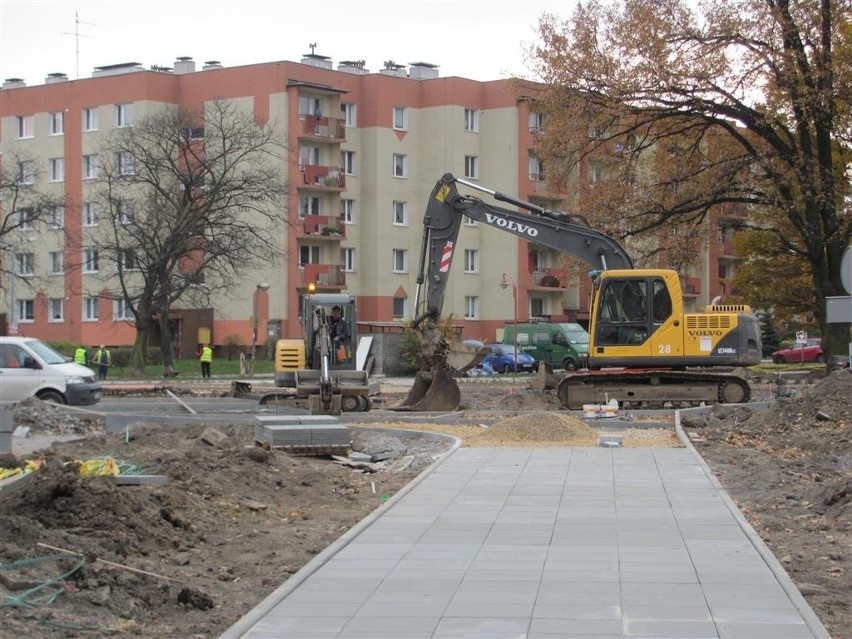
(263, 286)
(504, 284)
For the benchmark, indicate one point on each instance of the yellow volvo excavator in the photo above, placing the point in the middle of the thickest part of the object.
(643, 346)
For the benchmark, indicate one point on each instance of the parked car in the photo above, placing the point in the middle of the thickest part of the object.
(798, 353)
(501, 357)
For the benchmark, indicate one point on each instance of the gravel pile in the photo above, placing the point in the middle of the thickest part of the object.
(540, 427)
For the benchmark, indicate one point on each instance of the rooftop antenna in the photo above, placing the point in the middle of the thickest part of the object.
(312, 46)
(77, 35)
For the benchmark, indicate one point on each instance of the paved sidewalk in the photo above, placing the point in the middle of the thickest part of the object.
(545, 543)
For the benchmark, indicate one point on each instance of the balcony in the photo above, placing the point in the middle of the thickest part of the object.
(325, 129)
(548, 278)
(322, 178)
(328, 276)
(324, 226)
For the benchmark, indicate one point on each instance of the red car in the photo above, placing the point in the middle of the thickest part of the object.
(798, 353)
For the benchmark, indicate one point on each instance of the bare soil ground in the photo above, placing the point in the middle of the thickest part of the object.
(233, 521)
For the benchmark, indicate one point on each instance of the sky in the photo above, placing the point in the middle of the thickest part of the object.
(476, 39)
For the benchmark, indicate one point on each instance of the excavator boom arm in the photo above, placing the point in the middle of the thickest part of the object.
(446, 210)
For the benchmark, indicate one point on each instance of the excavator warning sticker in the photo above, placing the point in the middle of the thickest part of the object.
(441, 195)
(706, 344)
(446, 257)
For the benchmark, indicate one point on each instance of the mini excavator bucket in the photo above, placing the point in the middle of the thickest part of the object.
(432, 391)
(545, 379)
(462, 357)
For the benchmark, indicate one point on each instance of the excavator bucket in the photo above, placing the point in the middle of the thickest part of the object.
(462, 357)
(545, 379)
(432, 391)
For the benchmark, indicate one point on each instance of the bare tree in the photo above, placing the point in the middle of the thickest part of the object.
(743, 102)
(192, 199)
(23, 206)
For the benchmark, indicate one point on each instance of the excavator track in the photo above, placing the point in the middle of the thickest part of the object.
(647, 388)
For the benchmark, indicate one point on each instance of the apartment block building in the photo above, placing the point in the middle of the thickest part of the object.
(365, 150)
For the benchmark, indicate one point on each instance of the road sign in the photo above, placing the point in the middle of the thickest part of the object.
(801, 337)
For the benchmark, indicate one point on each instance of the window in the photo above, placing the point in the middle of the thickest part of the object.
(25, 310)
(56, 217)
(595, 172)
(596, 131)
(56, 169)
(121, 310)
(26, 220)
(471, 307)
(536, 121)
(57, 123)
(471, 166)
(400, 118)
(123, 115)
(26, 172)
(536, 167)
(24, 263)
(309, 106)
(56, 261)
(399, 310)
(400, 213)
(471, 261)
(309, 255)
(24, 126)
(471, 120)
(347, 259)
(537, 307)
(90, 119)
(400, 165)
(347, 211)
(347, 162)
(309, 156)
(90, 214)
(123, 212)
(400, 261)
(90, 309)
(309, 205)
(55, 309)
(90, 260)
(90, 167)
(124, 164)
(348, 113)
(126, 260)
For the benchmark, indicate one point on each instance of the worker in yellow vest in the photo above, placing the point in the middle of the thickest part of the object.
(103, 360)
(80, 355)
(206, 357)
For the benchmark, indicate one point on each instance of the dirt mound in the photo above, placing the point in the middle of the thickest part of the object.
(45, 417)
(539, 428)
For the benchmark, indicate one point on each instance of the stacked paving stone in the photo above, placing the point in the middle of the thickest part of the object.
(303, 434)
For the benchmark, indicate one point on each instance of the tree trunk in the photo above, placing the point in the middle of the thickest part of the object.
(166, 346)
(139, 356)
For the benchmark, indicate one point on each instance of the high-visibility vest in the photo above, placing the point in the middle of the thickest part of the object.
(80, 356)
(100, 354)
(206, 354)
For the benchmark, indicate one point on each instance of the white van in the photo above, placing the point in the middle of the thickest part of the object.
(30, 368)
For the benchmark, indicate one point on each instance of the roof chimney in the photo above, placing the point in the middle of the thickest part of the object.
(53, 78)
(184, 64)
(211, 64)
(13, 83)
(355, 67)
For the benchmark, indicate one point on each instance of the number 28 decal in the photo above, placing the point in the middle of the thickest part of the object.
(664, 349)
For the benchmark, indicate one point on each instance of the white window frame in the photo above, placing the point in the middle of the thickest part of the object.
(123, 212)
(25, 310)
(400, 213)
(471, 167)
(309, 105)
(56, 169)
(402, 312)
(57, 123)
(90, 309)
(26, 219)
(90, 167)
(537, 307)
(400, 119)
(347, 162)
(25, 127)
(400, 260)
(26, 172)
(349, 114)
(25, 264)
(400, 165)
(91, 261)
(123, 257)
(56, 217)
(124, 163)
(471, 261)
(347, 259)
(121, 310)
(535, 122)
(55, 310)
(90, 119)
(56, 261)
(471, 307)
(310, 205)
(596, 172)
(471, 120)
(124, 115)
(536, 168)
(90, 214)
(348, 211)
(312, 252)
